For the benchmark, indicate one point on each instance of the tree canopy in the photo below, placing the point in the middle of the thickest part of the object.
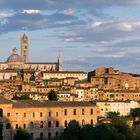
(22, 135)
(52, 96)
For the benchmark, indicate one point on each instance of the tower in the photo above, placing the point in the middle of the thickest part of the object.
(60, 66)
(24, 48)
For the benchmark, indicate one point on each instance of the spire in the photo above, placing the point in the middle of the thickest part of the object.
(24, 36)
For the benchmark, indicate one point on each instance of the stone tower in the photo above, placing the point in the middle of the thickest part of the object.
(24, 48)
(60, 66)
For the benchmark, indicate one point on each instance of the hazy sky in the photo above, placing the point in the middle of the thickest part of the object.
(89, 33)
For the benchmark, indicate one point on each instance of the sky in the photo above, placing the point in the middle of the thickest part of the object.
(88, 33)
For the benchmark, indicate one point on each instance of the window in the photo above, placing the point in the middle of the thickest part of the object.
(91, 122)
(16, 126)
(16, 114)
(74, 111)
(49, 135)
(1, 112)
(8, 114)
(31, 125)
(57, 123)
(83, 111)
(41, 135)
(33, 114)
(56, 134)
(49, 124)
(32, 136)
(24, 115)
(41, 124)
(91, 111)
(41, 114)
(8, 126)
(66, 123)
(65, 112)
(24, 126)
(83, 122)
(49, 114)
(56, 114)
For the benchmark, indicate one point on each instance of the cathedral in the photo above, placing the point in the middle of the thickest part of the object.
(16, 61)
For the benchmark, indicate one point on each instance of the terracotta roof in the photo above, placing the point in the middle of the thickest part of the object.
(43, 103)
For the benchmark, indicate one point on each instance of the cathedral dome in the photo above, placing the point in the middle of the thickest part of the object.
(14, 57)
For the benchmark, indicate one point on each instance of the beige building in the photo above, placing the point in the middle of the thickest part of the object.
(122, 107)
(64, 74)
(42, 118)
(111, 79)
(16, 61)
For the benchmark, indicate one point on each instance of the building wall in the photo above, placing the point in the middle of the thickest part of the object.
(123, 108)
(19, 117)
(62, 75)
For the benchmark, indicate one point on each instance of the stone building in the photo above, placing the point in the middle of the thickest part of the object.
(80, 75)
(16, 61)
(109, 78)
(122, 107)
(43, 118)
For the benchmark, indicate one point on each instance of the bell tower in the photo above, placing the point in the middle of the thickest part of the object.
(60, 65)
(24, 48)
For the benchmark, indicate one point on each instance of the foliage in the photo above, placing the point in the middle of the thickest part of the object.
(22, 135)
(72, 132)
(135, 112)
(116, 130)
(22, 97)
(40, 139)
(113, 114)
(52, 96)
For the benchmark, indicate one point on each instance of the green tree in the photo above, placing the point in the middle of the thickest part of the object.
(22, 97)
(87, 132)
(72, 132)
(52, 96)
(135, 112)
(113, 114)
(120, 125)
(22, 135)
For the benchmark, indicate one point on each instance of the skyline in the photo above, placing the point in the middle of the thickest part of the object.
(89, 33)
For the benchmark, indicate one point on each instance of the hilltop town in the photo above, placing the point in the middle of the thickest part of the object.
(83, 96)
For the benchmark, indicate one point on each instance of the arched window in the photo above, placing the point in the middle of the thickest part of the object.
(91, 122)
(31, 125)
(32, 135)
(1, 112)
(91, 111)
(49, 124)
(49, 135)
(8, 126)
(41, 124)
(41, 135)
(83, 122)
(16, 126)
(24, 126)
(57, 123)
(56, 134)
(66, 123)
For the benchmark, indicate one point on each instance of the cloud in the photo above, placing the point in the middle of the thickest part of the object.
(65, 4)
(33, 20)
(104, 32)
(31, 11)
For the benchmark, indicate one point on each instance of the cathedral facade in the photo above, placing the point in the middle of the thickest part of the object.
(16, 61)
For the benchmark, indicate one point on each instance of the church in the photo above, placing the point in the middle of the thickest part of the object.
(16, 61)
